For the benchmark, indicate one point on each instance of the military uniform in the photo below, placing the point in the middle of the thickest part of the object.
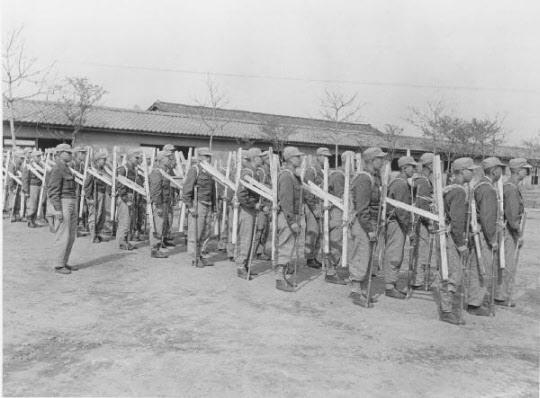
(31, 187)
(95, 192)
(263, 222)
(125, 206)
(14, 189)
(160, 195)
(62, 192)
(424, 196)
(313, 213)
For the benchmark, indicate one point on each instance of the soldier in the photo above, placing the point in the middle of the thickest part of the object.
(513, 213)
(160, 194)
(423, 186)
(456, 206)
(366, 201)
(288, 220)
(14, 188)
(62, 191)
(31, 188)
(263, 222)
(313, 212)
(139, 206)
(399, 225)
(250, 203)
(200, 210)
(485, 196)
(336, 185)
(79, 156)
(95, 191)
(168, 240)
(125, 201)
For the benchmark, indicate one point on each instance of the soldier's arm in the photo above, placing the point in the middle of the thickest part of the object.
(54, 188)
(286, 197)
(155, 184)
(362, 199)
(122, 189)
(511, 208)
(456, 201)
(336, 184)
(89, 187)
(189, 184)
(310, 199)
(25, 179)
(401, 192)
(486, 201)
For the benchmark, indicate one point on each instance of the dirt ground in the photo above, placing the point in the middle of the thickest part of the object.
(129, 325)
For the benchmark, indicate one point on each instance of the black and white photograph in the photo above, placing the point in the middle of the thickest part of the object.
(270, 198)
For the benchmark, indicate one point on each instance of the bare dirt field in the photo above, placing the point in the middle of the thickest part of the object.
(129, 325)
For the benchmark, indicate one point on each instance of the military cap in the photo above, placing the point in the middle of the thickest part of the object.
(101, 155)
(63, 148)
(265, 154)
(134, 152)
(323, 152)
(519, 163)
(406, 160)
(426, 158)
(35, 153)
(205, 151)
(79, 149)
(169, 147)
(290, 152)
(492, 162)
(247, 154)
(162, 155)
(255, 152)
(464, 164)
(345, 154)
(27, 150)
(18, 153)
(372, 153)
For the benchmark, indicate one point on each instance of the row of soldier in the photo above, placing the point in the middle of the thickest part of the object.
(354, 217)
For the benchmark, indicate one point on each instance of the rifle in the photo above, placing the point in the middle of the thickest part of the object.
(493, 277)
(516, 260)
(413, 256)
(274, 177)
(299, 219)
(430, 256)
(464, 260)
(326, 219)
(94, 187)
(253, 240)
(164, 224)
(196, 221)
(345, 213)
(475, 231)
(113, 190)
(381, 240)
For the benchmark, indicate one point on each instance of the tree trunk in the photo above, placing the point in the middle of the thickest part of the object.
(337, 155)
(11, 118)
(211, 140)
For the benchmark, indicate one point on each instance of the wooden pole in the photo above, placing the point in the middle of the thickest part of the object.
(438, 195)
(4, 195)
(84, 175)
(235, 197)
(500, 224)
(225, 192)
(113, 189)
(346, 194)
(326, 214)
(148, 198)
(274, 179)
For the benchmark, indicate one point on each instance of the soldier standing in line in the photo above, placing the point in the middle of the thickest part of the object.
(13, 187)
(95, 191)
(160, 194)
(31, 188)
(139, 206)
(288, 220)
(513, 213)
(62, 191)
(200, 210)
(399, 225)
(366, 199)
(336, 185)
(168, 241)
(485, 196)
(424, 198)
(456, 206)
(313, 210)
(249, 206)
(79, 156)
(125, 201)
(263, 222)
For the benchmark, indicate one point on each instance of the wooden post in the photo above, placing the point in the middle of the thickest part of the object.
(224, 211)
(476, 238)
(84, 175)
(346, 194)
(148, 198)
(4, 195)
(438, 196)
(500, 223)
(274, 179)
(326, 214)
(381, 239)
(113, 189)
(235, 197)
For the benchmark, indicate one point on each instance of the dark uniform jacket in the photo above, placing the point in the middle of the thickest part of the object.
(456, 207)
(289, 186)
(336, 183)
(101, 187)
(29, 178)
(424, 189)
(130, 172)
(399, 189)
(366, 196)
(12, 184)
(61, 185)
(315, 174)
(160, 187)
(487, 208)
(206, 189)
(513, 207)
(247, 197)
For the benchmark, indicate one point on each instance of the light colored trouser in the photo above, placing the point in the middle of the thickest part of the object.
(161, 225)
(65, 232)
(246, 219)
(286, 244)
(505, 275)
(262, 232)
(14, 201)
(32, 201)
(100, 216)
(360, 253)
(448, 288)
(395, 243)
(313, 234)
(124, 214)
(478, 284)
(203, 228)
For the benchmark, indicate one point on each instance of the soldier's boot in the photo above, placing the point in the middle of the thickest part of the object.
(264, 257)
(363, 286)
(62, 270)
(156, 253)
(478, 311)
(206, 262)
(168, 242)
(97, 239)
(452, 318)
(505, 303)
(394, 293)
(360, 299)
(313, 263)
(32, 222)
(335, 279)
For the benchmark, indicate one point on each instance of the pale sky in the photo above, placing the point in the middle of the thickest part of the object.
(481, 57)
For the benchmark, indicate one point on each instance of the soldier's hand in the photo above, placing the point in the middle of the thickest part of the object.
(372, 236)
(520, 242)
(296, 228)
(462, 249)
(129, 204)
(59, 216)
(192, 210)
(495, 246)
(317, 213)
(159, 212)
(412, 238)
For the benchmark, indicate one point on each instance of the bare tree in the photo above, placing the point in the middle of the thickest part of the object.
(78, 96)
(216, 99)
(532, 146)
(392, 135)
(22, 77)
(277, 134)
(487, 135)
(338, 108)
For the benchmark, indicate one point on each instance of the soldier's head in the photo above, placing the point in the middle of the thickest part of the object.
(463, 170)
(519, 168)
(493, 168)
(64, 152)
(265, 156)
(36, 156)
(134, 157)
(79, 153)
(373, 158)
(164, 158)
(100, 159)
(256, 156)
(426, 161)
(28, 153)
(322, 154)
(407, 165)
(292, 156)
(18, 157)
(205, 154)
